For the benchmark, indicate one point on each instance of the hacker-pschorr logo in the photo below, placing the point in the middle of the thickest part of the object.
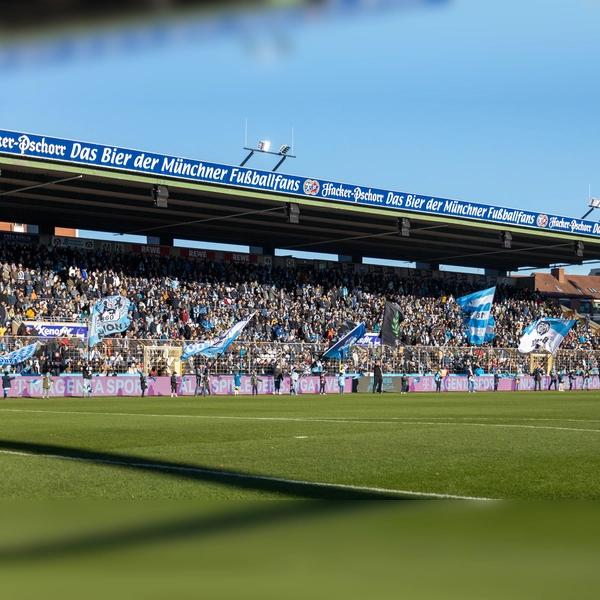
(542, 220)
(311, 187)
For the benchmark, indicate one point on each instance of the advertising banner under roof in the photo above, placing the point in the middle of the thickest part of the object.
(163, 166)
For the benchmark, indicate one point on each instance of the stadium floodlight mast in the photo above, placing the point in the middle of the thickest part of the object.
(263, 147)
(593, 203)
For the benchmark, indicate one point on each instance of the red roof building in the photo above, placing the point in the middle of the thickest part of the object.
(578, 292)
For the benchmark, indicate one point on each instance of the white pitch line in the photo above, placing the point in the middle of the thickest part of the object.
(499, 419)
(153, 466)
(391, 421)
(514, 426)
(222, 417)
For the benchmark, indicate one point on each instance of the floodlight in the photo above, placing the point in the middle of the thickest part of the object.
(160, 194)
(505, 239)
(593, 203)
(263, 146)
(404, 227)
(578, 248)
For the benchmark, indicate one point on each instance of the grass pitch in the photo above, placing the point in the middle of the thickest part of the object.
(502, 445)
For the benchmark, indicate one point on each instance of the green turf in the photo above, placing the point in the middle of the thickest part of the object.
(488, 445)
(298, 550)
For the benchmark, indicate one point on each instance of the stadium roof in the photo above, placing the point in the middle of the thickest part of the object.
(118, 200)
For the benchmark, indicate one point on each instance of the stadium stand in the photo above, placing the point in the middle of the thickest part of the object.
(176, 300)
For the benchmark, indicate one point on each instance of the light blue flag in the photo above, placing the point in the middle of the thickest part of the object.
(490, 330)
(18, 356)
(477, 309)
(109, 315)
(545, 333)
(217, 345)
(344, 341)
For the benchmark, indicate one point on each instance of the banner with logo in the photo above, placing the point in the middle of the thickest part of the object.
(30, 386)
(369, 340)
(392, 317)
(19, 238)
(69, 242)
(109, 315)
(46, 330)
(460, 383)
(165, 166)
(545, 333)
(346, 337)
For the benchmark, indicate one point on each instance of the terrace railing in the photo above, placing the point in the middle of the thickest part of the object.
(123, 355)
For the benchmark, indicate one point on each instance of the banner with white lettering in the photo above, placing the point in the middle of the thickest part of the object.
(165, 166)
(46, 330)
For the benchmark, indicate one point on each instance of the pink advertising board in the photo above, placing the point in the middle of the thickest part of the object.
(485, 383)
(129, 385)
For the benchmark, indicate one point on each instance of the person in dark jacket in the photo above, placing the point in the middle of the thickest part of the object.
(553, 380)
(537, 379)
(438, 382)
(277, 381)
(586, 378)
(87, 381)
(174, 384)
(404, 383)
(198, 374)
(322, 383)
(6, 383)
(206, 382)
(377, 378)
(143, 383)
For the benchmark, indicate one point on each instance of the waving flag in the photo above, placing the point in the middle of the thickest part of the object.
(392, 317)
(217, 345)
(109, 315)
(18, 356)
(545, 333)
(477, 309)
(490, 330)
(347, 336)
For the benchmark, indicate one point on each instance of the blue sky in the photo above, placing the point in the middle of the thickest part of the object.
(493, 102)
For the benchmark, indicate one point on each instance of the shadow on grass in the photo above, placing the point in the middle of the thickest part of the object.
(251, 515)
(240, 481)
(245, 518)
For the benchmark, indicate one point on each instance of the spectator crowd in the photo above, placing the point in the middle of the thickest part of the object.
(177, 299)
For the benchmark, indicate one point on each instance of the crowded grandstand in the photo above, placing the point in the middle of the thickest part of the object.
(176, 300)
